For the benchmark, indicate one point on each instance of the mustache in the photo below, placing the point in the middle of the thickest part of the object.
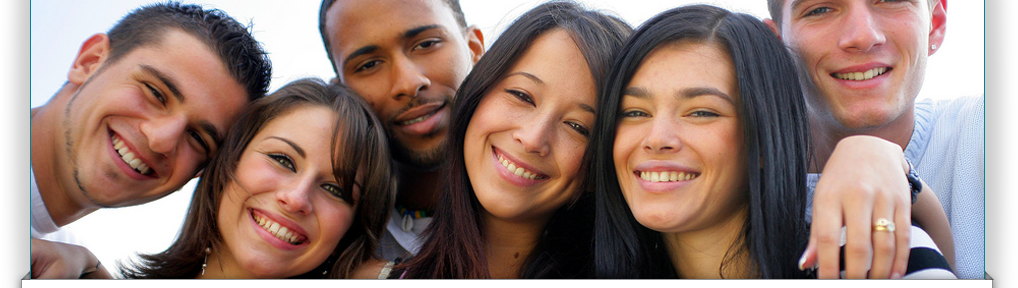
(414, 103)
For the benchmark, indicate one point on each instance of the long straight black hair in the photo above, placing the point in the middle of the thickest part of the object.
(773, 116)
(456, 245)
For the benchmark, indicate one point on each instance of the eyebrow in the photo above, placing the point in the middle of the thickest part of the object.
(687, 93)
(795, 4)
(209, 128)
(528, 75)
(411, 33)
(294, 145)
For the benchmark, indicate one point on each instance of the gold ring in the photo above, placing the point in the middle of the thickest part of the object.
(883, 224)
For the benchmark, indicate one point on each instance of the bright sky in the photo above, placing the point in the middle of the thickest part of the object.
(290, 34)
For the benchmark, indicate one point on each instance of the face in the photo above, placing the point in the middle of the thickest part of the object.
(285, 213)
(865, 59)
(678, 151)
(406, 58)
(524, 144)
(139, 128)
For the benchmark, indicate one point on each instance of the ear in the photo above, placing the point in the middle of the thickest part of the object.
(938, 25)
(334, 80)
(91, 55)
(475, 41)
(774, 27)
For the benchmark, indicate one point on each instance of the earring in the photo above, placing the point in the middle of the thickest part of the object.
(206, 262)
(934, 46)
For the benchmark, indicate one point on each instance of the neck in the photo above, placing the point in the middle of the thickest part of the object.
(700, 254)
(418, 189)
(826, 132)
(58, 192)
(509, 245)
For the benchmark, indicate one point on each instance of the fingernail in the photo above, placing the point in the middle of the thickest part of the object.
(895, 275)
(802, 261)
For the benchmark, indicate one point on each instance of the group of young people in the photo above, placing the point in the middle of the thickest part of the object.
(575, 147)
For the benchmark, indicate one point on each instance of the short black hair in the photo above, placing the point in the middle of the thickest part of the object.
(453, 5)
(231, 41)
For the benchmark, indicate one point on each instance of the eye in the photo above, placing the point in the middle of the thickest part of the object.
(284, 161)
(633, 113)
(426, 44)
(702, 113)
(201, 142)
(155, 93)
(579, 128)
(818, 11)
(523, 96)
(338, 192)
(367, 65)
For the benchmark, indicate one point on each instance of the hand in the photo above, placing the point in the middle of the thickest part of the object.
(55, 260)
(863, 180)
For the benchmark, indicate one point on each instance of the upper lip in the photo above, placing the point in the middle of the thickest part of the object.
(662, 166)
(419, 110)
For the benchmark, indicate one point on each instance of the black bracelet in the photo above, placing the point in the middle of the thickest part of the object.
(914, 183)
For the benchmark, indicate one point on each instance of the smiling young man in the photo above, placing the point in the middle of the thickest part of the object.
(407, 59)
(143, 109)
(863, 64)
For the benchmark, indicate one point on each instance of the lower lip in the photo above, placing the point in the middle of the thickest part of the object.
(119, 161)
(268, 237)
(430, 124)
(510, 176)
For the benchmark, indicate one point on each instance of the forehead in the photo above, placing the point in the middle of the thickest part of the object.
(686, 64)
(376, 22)
(307, 125)
(556, 59)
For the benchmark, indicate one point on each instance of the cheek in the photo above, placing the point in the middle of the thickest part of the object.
(335, 220)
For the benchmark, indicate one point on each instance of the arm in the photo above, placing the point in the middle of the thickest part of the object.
(55, 260)
(929, 214)
(863, 180)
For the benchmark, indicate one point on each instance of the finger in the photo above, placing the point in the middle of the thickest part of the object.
(883, 247)
(903, 240)
(858, 242)
(826, 229)
(808, 260)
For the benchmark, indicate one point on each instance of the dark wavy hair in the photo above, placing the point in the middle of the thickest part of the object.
(455, 247)
(773, 116)
(358, 147)
(240, 54)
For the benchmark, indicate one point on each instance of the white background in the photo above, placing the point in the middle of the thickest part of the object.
(289, 33)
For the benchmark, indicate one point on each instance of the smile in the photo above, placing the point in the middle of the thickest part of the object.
(667, 176)
(128, 156)
(861, 76)
(519, 171)
(278, 230)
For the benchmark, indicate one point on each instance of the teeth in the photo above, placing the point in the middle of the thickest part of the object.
(860, 76)
(415, 120)
(518, 171)
(667, 176)
(129, 157)
(277, 230)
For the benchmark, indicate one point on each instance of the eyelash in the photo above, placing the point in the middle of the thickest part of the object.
(430, 43)
(702, 113)
(155, 93)
(367, 65)
(633, 113)
(284, 161)
(522, 96)
(579, 128)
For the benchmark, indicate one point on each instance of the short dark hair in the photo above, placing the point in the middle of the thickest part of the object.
(358, 145)
(453, 5)
(231, 41)
(772, 112)
(455, 245)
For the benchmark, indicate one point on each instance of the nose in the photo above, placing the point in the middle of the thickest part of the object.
(408, 78)
(534, 134)
(296, 198)
(663, 137)
(164, 134)
(861, 32)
